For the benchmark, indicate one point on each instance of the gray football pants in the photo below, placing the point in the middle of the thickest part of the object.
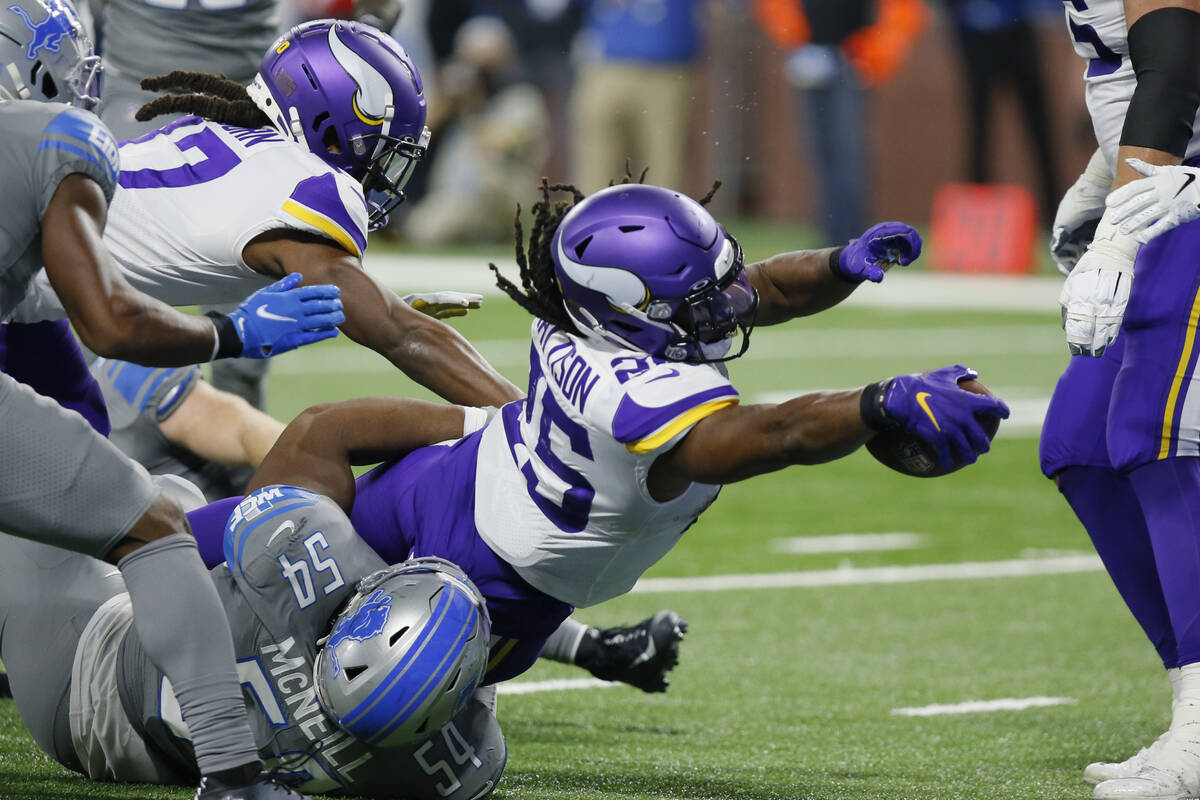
(47, 596)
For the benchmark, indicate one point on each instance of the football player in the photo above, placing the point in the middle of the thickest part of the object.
(270, 180)
(360, 678)
(64, 484)
(1120, 437)
(631, 425)
(173, 422)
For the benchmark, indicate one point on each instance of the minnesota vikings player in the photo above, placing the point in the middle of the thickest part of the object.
(270, 180)
(63, 483)
(1136, 488)
(359, 678)
(631, 425)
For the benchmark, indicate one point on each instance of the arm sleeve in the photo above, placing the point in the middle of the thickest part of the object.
(131, 390)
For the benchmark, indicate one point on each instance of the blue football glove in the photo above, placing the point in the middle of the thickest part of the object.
(286, 315)
(931, 407)
(883, 245)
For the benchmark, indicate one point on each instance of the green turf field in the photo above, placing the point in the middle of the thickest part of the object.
(789, 692)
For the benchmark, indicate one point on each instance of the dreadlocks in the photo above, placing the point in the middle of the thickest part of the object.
(541, 296)
(213, 97)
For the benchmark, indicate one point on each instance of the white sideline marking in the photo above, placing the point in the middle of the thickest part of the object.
(860, 576)
(563, 684)
(847, 543)
(981, 706)
(905, 290)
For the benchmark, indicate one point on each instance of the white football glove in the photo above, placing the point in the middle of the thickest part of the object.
(441, 305)
(1166, 198)
(1095, 294)
(1078, 212)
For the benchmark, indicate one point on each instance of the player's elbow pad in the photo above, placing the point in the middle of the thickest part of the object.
(1164, 46)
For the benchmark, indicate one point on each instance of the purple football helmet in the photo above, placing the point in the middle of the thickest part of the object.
(352, 95)
(648, 268)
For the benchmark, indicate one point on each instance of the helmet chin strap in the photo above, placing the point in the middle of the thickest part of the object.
(22, 90)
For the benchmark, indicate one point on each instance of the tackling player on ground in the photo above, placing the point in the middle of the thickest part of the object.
(63, 483)
(1122, 434)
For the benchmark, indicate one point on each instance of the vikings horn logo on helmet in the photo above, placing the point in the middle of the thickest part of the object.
(618, 284)
(373, 96)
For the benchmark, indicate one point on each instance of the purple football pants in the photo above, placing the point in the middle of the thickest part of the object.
(1121, 436)
(45, 357)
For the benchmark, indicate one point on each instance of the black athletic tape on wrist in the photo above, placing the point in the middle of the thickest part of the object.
(1164, 49)
(870, 407)
(835, 266)
(229, 344)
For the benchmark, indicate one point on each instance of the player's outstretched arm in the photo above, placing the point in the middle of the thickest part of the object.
(116, 321)
(805, 282)
(221, 427)
(739, 442)
(430, 352)
(318, 448)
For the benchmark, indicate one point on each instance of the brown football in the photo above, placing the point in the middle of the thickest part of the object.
(906, 453)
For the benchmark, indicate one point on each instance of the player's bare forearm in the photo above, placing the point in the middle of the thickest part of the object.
(430, 352)
(318, 448)
(111, 317)
(740, 442)
(242, 438)
(796, 284)
(1126, 173)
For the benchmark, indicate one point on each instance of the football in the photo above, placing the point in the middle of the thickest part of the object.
(913, 456)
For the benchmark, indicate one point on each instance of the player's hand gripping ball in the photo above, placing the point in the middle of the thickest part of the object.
(941, 422)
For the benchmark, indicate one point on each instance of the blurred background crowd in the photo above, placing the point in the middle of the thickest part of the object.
(832, 112)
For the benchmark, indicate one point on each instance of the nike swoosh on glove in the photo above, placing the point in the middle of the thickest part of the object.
(1166, 198)
(286, 315)
(931, 406)
(881, 246)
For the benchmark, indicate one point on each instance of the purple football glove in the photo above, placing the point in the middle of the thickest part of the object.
(883, 245)
(931, 407)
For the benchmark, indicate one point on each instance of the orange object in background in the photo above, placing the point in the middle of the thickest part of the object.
(983, 227)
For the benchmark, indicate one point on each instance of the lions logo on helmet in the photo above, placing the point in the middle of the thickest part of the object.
(47, 33)
(405, 654)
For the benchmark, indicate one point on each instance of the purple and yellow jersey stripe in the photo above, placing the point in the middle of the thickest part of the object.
(1183, 371)
(321, 204)
(644, 429)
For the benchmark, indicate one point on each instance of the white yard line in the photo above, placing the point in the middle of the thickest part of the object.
(983, 706)
(847, 543)
(861, 576)
(901, 290)
(563, 684)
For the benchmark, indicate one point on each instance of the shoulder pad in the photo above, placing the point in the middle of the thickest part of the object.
(332, 207)
(79, 137)
(666, 399)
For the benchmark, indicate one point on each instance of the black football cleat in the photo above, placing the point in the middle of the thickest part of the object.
(640, 655)
(5, 687)
(264, 787)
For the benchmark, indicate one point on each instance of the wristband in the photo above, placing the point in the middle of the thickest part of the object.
(228, 344)
(835, 265)
(474, 419)
(870, 407)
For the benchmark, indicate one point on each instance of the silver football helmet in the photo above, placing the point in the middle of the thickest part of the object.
(45, 54)
(405, 654)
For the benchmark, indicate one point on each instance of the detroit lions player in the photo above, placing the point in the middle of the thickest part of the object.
(268, 182)
(1136, 487)
(630, 426)
(314, 639)
(63, 483)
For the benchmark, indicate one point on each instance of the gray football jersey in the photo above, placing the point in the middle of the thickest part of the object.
(40, 144)
(139, 399)
(292, 561)
(141, 38)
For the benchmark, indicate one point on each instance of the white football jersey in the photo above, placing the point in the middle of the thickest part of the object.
(1100, 35)
(561, 477)
(193, 194)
